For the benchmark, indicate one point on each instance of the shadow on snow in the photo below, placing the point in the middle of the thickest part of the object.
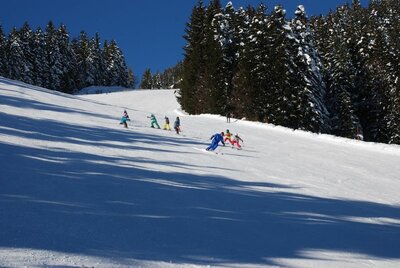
(66, 201)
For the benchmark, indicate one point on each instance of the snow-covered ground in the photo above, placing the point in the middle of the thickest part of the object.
(78, 190)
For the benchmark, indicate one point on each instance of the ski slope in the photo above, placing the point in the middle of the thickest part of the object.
(78, 190)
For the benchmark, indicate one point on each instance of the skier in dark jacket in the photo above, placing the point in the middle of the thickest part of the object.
(177, 125)
(215, 140)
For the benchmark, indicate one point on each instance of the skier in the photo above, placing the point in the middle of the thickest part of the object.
(236, 140)
(228, 117)
(153, 121)
(124, 119)
(228, 136)
(166, 124)
(215, 139)
(177, 125)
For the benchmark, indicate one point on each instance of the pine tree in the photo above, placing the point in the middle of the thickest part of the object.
(54, 58)
(3, 53)
(96, 57)
(15, 60)
(243, 81)
(213, 91)
(283, 78)
(40, 64)
(230, 39)
(26, 38)
(146, 81)
(86, 74)
(260, 57)
(131, 79)
(115, 66)
(67, 61)
(310, 87)
(389, 11)
(193, 64)
(342, 79)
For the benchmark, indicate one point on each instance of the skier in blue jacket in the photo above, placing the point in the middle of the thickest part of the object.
(124, 119)
(215, 139)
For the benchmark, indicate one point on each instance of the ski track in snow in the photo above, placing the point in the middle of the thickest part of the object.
(79, 190)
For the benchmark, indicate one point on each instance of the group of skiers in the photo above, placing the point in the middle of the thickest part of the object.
(223, 138)
(153, 122)
(215, 139)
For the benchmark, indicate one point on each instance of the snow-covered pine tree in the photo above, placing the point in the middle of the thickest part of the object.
(54, 58)
(3, 53)
(282, 74)
(341, 78)
(86, 72)
(157, 81)
(228, 33)
(67, 61)
(390, 16)
(131, 79)
(243, 81)
(213, 92)
(260, 51)
(312, 113)
(193, 64)
(97, 59)
(116, 69)
(146, 81)
(15, 59)
(40, 63)
(26, 38)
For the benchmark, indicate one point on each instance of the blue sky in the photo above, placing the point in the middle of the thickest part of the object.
(148, 31)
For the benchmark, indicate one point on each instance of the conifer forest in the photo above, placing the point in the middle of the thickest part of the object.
(336, 74)
(50, 59)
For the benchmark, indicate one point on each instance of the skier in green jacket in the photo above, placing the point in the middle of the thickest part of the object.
(153, 120)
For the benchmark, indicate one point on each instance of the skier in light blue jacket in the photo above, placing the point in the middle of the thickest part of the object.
(215, 140)
(124, 119)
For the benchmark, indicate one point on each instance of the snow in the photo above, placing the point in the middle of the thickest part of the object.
(300, 10)
(78, 190)
(100, 90)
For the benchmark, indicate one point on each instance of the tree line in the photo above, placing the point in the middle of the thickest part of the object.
(167, 79)
(50, 59)
(335, 74)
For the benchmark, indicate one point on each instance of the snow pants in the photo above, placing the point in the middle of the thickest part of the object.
(237, 144)
(213, 146)
(123, 121)
(154, 122)
(228, 139)
(166, 127)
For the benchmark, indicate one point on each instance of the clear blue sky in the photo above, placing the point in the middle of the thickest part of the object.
(148, 31)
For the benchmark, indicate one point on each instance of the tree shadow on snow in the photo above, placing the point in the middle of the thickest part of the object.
(75, 205)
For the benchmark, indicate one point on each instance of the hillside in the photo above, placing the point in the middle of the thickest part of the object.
(78, 190)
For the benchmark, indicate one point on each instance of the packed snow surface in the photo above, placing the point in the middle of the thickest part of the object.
(79, 190)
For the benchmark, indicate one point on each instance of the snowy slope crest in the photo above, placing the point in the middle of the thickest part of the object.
(79, 190)
(100, 90)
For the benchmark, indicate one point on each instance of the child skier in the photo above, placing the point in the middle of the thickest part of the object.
(166, 124)
(215, 139)
(177, 125)
(228, 136)
(236, 140)
(124, 119)
(153, 120)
